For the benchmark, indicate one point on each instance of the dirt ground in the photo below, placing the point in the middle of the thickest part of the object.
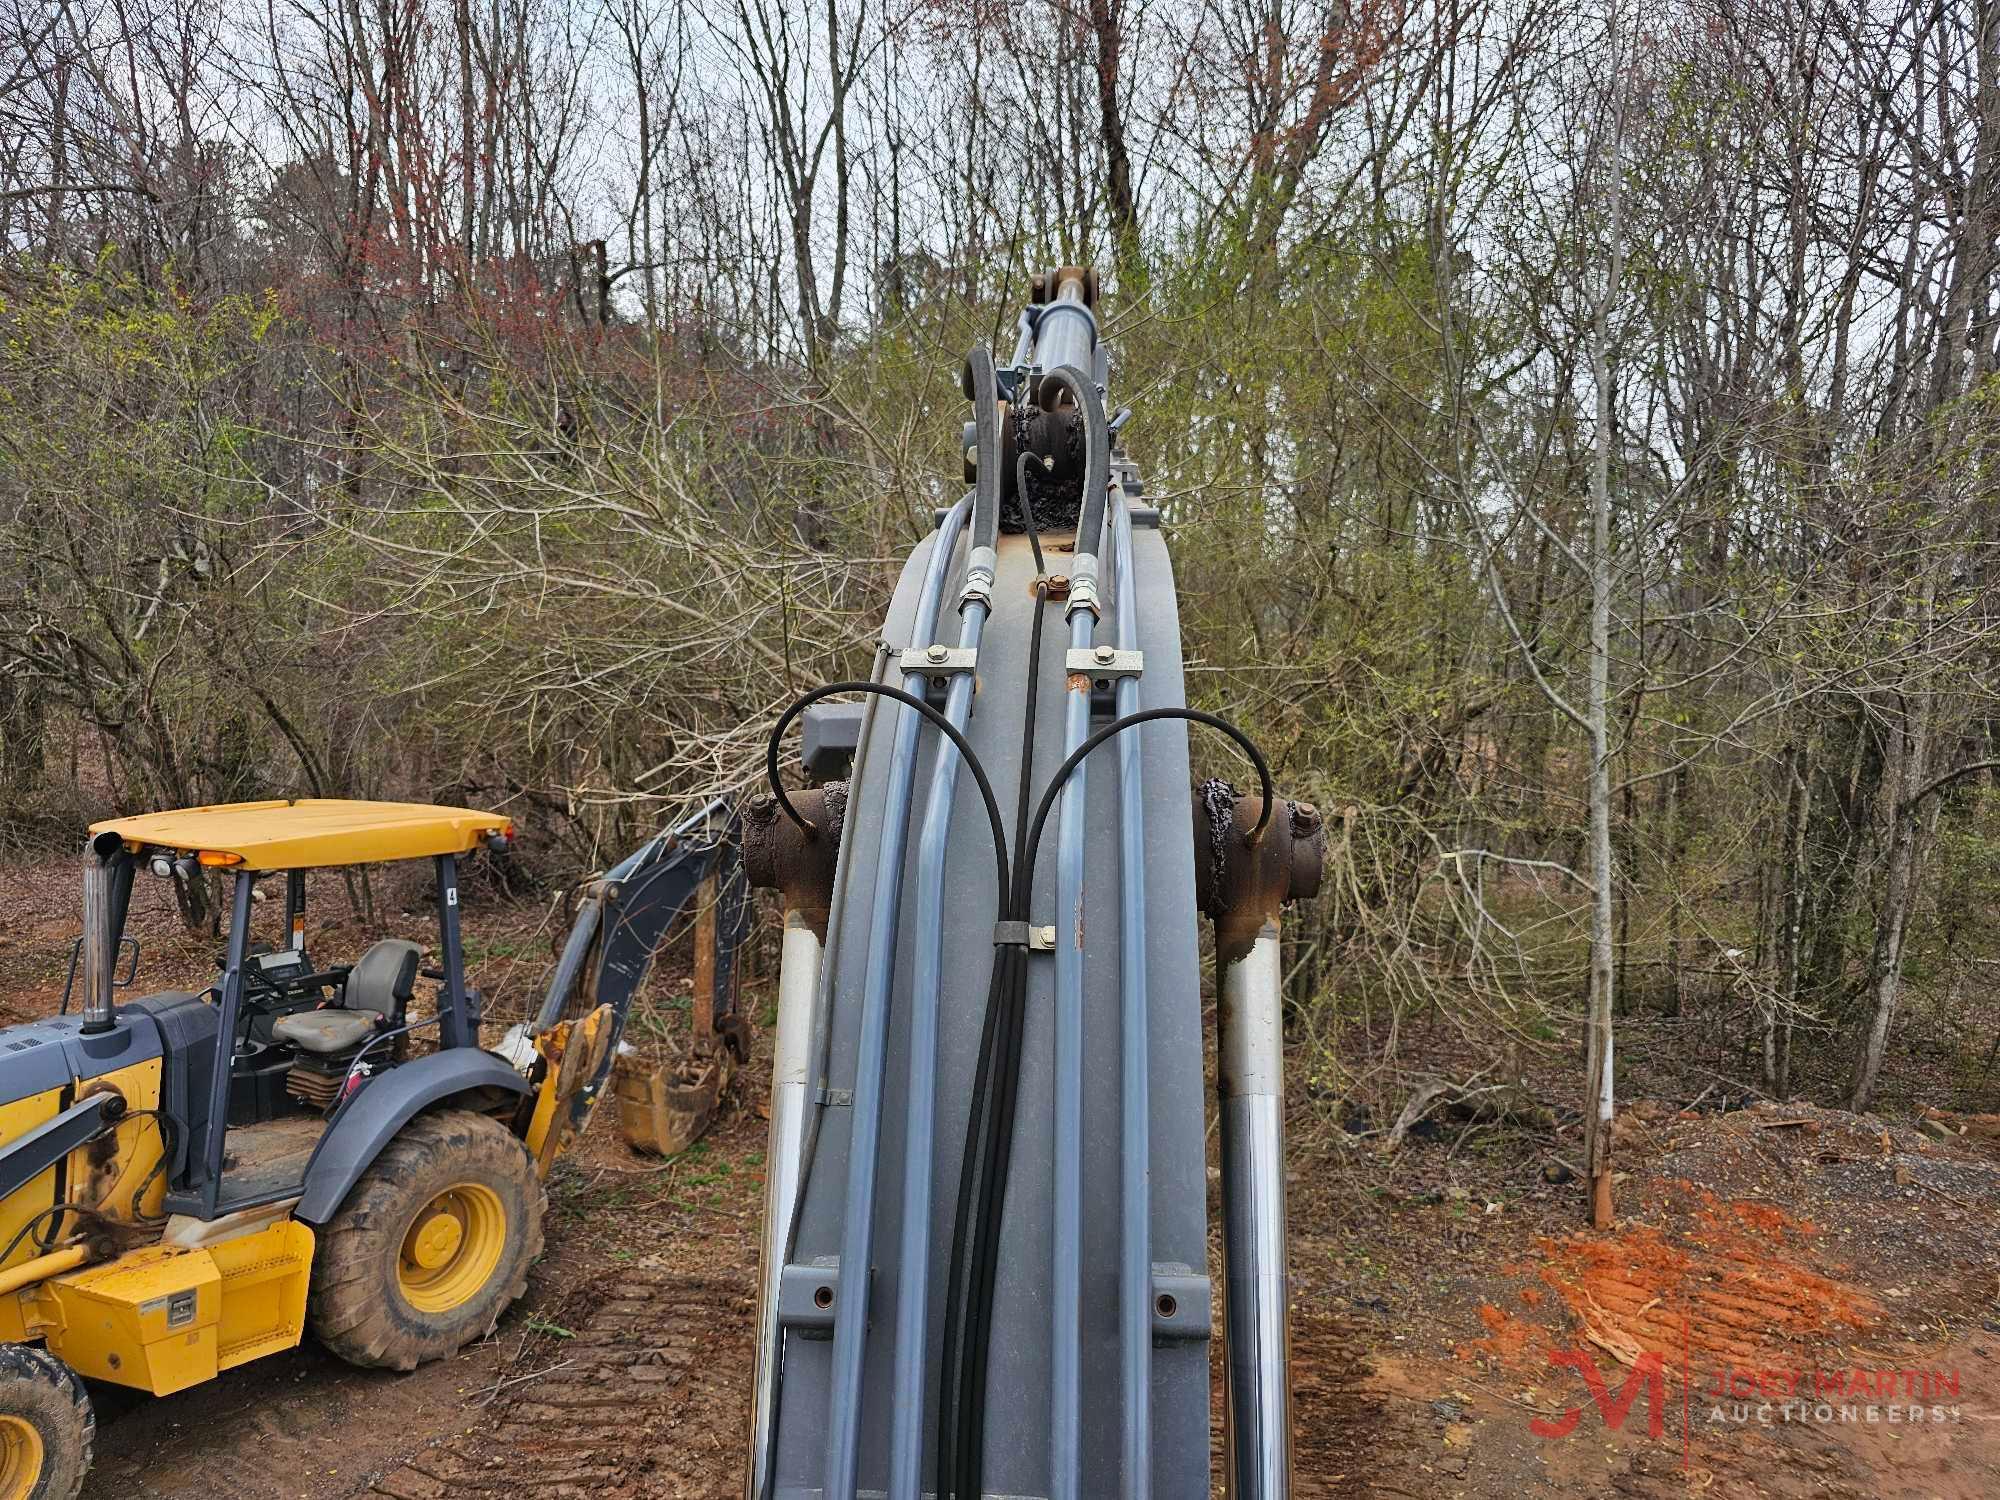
(1803, 1302)
(1812, 1296)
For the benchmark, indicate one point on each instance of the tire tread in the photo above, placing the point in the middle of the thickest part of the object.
(352, 1305)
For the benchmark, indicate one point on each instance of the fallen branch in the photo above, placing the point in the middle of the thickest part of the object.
(1414, 1110)
(505, 1382)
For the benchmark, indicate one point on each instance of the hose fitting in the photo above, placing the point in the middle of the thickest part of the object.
(980, 568)
(1083, 587)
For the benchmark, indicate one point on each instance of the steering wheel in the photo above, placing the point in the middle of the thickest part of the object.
(254, 977)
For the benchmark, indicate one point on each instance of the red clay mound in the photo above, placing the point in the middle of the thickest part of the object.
(1729, 1289)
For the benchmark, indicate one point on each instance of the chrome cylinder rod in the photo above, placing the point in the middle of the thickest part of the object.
(791, 1067)
(857, 1235)
(1065, 332)
(1253, 1220)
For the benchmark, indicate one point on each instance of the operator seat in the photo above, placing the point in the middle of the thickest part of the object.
(378, 989)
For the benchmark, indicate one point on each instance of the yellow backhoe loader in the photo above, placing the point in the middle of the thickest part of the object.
(191, 1178)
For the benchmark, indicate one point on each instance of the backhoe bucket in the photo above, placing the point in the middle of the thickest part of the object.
(666, 1109)
(626, 916)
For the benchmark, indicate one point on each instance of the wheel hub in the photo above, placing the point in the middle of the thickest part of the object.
(434, 1240)
(451, 1249)
(20, 1458)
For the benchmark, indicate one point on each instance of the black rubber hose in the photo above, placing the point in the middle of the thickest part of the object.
(1024, 853)
(982, 384)
(997, 1160)
(908, 700)
(1006, 958)
(1097, 454)
(956, 1448)
(966, 1443)
(1034, 541)
(961, 1377)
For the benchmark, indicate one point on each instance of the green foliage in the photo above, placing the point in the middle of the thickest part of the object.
(573, 572)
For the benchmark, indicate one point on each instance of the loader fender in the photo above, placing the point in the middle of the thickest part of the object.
(383, 1107)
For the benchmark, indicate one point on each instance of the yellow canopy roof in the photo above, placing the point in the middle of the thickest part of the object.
(311, 831)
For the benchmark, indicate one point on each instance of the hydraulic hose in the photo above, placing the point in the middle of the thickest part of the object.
(920, 1105)
(1096, 478)
(1066, 1098)
(982, 1183)
(989, 1134)
(857, 1240)
(1001, 864)
(1024, 337)
(982, 384)
(1034, 540)
(1024, 858)
(1001, 871)
(1135, 1208)
(913, 1275)
(1066, 1188)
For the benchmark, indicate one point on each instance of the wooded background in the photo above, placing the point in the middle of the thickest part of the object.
(517, 402)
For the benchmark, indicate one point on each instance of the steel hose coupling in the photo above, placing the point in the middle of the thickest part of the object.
(980, 569)
(1083, 587)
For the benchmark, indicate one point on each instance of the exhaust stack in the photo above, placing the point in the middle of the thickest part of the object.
(99, 957)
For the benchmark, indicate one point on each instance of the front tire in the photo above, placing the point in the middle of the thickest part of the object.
(431, 1246)
(46, 1426)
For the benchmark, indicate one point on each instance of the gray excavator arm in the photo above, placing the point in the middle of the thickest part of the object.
(985, 1261)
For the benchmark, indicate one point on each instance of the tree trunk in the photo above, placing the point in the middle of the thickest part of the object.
(1885, 969)
(1600, 1104)
(1601, 1101)
(1106, 25)
(1789, 923)
(21, 739)
(468, 147)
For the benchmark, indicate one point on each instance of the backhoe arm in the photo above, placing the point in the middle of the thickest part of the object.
(620, 925)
